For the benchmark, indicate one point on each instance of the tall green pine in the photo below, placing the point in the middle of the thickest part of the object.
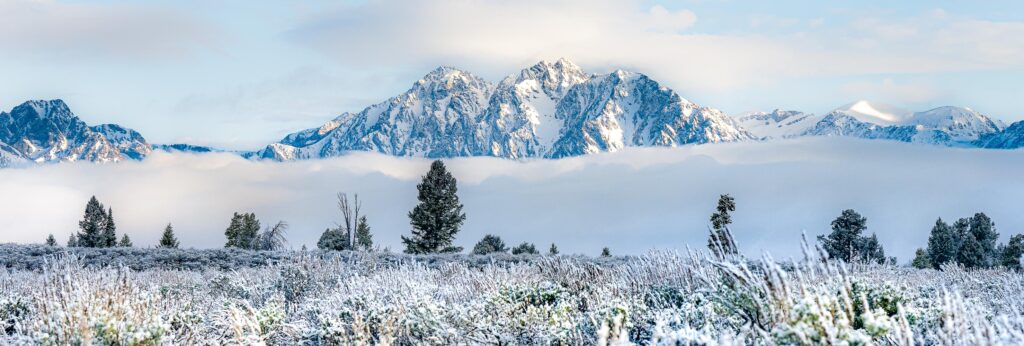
(92, 226)
(364, 240)
(109, 238)
(943, 244)
(438, 216)
(168, 240)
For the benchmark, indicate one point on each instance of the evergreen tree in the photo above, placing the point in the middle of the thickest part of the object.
(720, 240)
(92, 225)
(605, 252)
(1011, 253)
(525, 249)
(971, 254)
(847, 243)
(921, 259)
(50, 240)
(438, 216)
(984, 231)
(333, 239)
(943, 244)
(489, 244)
(109, 234)
(125, 242)
(553, 250)
(243, 232)
(73, 240)
(168, 240)
(364, 239)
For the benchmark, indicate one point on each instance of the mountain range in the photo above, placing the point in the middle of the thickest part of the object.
(548, 110)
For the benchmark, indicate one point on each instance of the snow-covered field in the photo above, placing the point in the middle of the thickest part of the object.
(666, 298)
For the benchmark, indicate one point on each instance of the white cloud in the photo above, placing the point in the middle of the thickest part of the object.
(50, 29)
(891, 91)
(492, 37)
(630, 201)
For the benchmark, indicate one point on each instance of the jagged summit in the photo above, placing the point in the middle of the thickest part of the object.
(47, 131)
(550, 109)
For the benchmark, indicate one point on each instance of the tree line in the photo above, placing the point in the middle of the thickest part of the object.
(438, 217)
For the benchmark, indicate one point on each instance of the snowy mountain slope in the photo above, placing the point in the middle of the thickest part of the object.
(520, 119)
(47, 131)
(951, 126)
(1012, 137)
(434, 118)
(551, 109)
(777, 123)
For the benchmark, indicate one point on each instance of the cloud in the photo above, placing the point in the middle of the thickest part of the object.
(630, 201)
(50, 29)
(498, 35)
(888, 90)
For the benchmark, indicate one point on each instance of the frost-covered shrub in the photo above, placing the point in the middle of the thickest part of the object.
(342, 298)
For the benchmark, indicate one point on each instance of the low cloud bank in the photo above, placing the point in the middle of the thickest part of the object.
(630, 201)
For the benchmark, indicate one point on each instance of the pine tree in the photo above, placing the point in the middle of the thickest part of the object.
(847, 243)
(109, 230)
(720, 240)
(73, 240)
(125, 241)
(1011, 253)
(168, 240)
(92, 225)
(943, 244)
(921, 259)
(243, 232)
(605, 252)
(553, 250)
(844, 240)
(971, 254)
(333, 239)
(489, 244)
(525, 249)
(364, 239)
(984, 231)
(50, 240)
(438, 216)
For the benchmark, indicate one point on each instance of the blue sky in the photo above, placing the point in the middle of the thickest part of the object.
(239, 74)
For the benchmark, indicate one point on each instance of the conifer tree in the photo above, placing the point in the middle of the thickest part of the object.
(921, 259)
(438, 216)
(168, 240)
(364, 239)
(50, 240)
(847, 243)
(943, 244)
(720, 240)
(984, 231)
(92, 225)
(605, 252)
(553, 250)
(125, 241)
(333, 239)
(971, 254)
(109, 238)
(489, 244)
(1011, 253)
(243, 231)
(525, 249)
(73, 240)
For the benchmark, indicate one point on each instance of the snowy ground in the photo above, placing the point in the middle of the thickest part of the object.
(664, 298)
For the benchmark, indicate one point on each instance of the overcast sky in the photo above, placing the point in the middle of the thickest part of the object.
(239, 74)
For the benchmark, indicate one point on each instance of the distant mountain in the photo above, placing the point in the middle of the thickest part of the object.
(551, 109)
(951, 126)
(1012, 137)
(185, 148)
(47, 131)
